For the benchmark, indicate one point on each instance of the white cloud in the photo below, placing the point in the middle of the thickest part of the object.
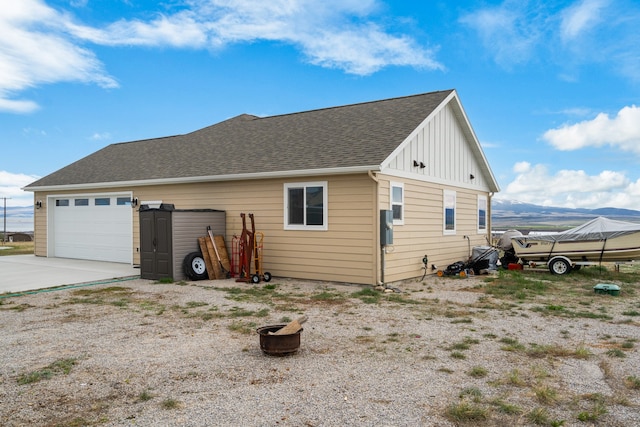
(506, 31)
(571, 188)
(10, 186)
(41, 45)
(581, 17)
(585, 32)
(621, 132)
(100, 136)
(35, 49)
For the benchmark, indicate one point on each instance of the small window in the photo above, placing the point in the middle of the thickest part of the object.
(102, 201)
(305, 206)
(482, 214)
(397, 202)
(62, 202)
(449, 212)
(81, 202)
(123, 201)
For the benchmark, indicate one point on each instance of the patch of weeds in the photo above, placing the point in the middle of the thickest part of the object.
(540, 351)
(478, 372)
(539, 416)
(328, 296)
(627, 345)
(145, 396)
(194, 304)
(616, 352)
(506, 407)
(473, 393)
(367, 296)
(463, 320)
(164, 281)
(599, 409)
(62, 366)
(511, 344)
(545, 394)
(457, 355)
(245, 328)
(582, 352)
(515, 285)
(632, 382)
(466, 412)
(631, 313)
(514, 378)
(170, 404)
(558, 310)
(446, 370)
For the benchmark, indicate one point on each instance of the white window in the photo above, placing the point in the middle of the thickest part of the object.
(305, 206)
(449, 199)
(397, 202)
(482, 214)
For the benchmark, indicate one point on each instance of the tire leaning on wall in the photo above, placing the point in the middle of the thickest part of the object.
(194, 266)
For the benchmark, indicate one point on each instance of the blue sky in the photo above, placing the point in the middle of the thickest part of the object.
(551, 88)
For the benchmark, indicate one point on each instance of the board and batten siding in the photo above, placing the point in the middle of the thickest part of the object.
(346, 252)
(444, 149)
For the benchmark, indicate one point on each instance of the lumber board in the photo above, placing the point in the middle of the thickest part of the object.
(217, 271)
(222, 251)
(202, 241)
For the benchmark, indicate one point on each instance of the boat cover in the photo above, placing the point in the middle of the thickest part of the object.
(600, 228)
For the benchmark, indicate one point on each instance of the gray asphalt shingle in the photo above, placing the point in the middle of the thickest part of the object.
(357, 135)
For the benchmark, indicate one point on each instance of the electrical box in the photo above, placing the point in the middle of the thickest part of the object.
(386, 227)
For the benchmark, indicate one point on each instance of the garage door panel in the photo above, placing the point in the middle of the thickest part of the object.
(94, 232)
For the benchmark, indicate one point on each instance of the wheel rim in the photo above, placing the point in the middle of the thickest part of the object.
(559, 267)
(198, 266)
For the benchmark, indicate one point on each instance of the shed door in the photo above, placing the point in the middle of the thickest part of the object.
(155, 244)
(96, 227)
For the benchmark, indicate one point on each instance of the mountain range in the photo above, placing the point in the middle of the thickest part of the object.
(514, 214)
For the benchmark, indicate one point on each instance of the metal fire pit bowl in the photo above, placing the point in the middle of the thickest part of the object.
(278, 345)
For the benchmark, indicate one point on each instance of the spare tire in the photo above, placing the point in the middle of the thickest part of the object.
(194, 266)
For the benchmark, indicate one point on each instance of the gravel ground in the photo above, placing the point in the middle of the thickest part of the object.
(439, 353)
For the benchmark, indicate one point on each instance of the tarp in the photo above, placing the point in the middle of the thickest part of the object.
(600, 228)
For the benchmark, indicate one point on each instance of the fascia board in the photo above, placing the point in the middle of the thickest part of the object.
(211, 178)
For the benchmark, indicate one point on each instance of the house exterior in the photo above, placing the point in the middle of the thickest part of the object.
(315, 181)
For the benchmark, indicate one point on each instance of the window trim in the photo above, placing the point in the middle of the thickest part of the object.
(401, 203)
(447, 196)
(483, 202)
(325, 205)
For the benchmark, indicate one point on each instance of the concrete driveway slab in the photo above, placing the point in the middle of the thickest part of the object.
(20, 273)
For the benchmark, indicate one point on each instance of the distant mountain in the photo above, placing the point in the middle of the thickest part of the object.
(514, 214)
(19, 218)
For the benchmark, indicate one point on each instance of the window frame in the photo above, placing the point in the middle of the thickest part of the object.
(393, 203)
(483, 205)
(325, 205)
(449, 201)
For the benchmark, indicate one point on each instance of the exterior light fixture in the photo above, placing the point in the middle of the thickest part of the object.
(38, 204)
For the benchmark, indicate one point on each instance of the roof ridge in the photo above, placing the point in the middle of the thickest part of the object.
(354, 104)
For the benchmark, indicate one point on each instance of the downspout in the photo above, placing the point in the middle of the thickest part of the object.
(489, 222)
(376, 216)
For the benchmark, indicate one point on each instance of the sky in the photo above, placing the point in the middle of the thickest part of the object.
(551, 88)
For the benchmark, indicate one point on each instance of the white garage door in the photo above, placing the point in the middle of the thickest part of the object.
(96, 227)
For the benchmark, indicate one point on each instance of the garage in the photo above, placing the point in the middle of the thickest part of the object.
(94, 227)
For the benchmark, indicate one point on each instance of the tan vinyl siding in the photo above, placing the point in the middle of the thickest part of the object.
(422, 232)
(346, 252)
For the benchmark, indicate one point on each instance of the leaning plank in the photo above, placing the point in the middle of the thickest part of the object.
(222, 251)
(202, 241)
(217, 271)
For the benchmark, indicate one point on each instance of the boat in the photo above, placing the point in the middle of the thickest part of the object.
(596, 241)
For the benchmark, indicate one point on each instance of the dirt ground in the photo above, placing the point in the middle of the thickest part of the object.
(520, 349)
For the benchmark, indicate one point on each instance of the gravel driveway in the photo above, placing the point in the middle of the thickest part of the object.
(442, 352)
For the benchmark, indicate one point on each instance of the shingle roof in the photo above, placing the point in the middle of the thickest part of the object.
(351, 136)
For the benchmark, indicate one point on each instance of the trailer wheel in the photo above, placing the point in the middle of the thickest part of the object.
(194, 266)
(559, 266)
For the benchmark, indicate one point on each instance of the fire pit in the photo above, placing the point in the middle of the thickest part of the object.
(278, 345)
